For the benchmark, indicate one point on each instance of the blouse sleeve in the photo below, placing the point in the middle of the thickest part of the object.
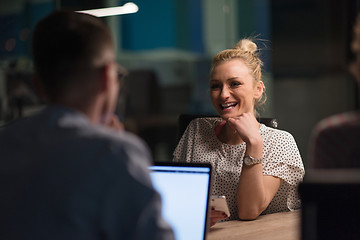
(283, 158)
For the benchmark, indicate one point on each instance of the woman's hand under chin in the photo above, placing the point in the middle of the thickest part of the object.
(246, 126)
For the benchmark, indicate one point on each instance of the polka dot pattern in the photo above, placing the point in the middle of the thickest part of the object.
(280, 153)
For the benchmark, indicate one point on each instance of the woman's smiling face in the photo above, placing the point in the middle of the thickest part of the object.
(232, 89)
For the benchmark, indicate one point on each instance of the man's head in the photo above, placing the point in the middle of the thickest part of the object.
(69, 48)
(74, 62)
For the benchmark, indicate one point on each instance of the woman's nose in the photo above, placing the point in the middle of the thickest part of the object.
(225, 93)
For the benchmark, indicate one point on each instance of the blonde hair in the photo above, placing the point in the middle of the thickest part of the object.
(247, 51)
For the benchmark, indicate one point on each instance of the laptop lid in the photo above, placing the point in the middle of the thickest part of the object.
(184, 190)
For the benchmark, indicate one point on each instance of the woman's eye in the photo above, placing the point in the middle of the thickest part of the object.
(235, 84)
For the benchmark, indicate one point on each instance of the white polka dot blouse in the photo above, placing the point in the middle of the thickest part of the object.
(281, 158)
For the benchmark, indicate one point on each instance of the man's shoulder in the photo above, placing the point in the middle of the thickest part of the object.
(70, 130)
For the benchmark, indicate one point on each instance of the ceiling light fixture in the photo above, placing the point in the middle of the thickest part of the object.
(127, 8)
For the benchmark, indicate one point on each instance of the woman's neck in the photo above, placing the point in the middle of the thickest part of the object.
(229, 136)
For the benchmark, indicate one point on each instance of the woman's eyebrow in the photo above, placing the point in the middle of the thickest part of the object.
(228, 79)
(232, 78)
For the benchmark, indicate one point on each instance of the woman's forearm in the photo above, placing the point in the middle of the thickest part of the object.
(251, 197)
(255, 190)
(251, 193)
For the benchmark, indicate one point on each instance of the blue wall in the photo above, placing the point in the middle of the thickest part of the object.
(158, 24)
(153, 26)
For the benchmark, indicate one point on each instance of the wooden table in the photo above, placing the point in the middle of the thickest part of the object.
(276, 226)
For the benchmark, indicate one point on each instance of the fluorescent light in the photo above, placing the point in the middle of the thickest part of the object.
(112, 11)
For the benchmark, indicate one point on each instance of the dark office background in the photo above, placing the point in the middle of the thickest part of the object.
(167, 46)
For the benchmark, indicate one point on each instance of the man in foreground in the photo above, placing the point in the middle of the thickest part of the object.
(63, 173)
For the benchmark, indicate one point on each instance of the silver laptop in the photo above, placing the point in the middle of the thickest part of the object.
(184, 189)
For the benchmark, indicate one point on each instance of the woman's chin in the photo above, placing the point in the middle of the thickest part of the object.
(231, 114)
(226, 116)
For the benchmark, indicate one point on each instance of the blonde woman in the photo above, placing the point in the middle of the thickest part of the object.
(256, 167)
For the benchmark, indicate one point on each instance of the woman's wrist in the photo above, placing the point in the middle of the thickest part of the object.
(254, 148)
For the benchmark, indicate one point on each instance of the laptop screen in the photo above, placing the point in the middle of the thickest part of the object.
(184, 190)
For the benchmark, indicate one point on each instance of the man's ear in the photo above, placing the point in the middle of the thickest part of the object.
(259, 89)
(105, 77)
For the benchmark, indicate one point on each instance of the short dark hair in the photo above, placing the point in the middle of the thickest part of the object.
(66, 44)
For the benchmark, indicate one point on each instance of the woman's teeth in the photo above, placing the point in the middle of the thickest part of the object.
(228, 105)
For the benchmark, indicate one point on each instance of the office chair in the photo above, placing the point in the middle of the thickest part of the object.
(330, 207)
(185, 119)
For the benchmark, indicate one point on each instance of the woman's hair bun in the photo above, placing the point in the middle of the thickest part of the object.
(246, 45)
